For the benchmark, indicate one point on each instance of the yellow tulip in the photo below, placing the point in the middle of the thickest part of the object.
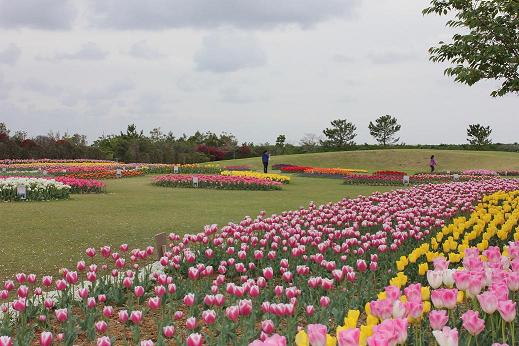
(422, 269)
(330, 340)
(302, 339)
(426, 292)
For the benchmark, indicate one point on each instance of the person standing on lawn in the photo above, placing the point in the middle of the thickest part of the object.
(432, 163)
(265, 159)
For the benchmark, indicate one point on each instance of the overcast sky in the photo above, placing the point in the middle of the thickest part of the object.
(254, 68)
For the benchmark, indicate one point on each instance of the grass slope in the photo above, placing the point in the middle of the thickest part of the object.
(43, 236)
(409, 160)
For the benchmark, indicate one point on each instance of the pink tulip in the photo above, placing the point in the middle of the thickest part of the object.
(46, 281)
(446, 337)
(154, 303)
(178, 315)
(108, 311)
(232, 312)
(317, 334)
(209, 316)
(61, 315)
(19, 304)
(147, 343)
(136, 316)
(101, 326)
(189, 299)
(324, 301)
(488, 302)
(45, 339)
(309, 310)
(267, 326)
(6, 341)
(123, 316)
(472, 323)
(104, 341)
(168, 331)
(507, 310)
(349, 337)
(191, 323)
(361, 265)
(438, 319)
(138, 291)
(194, 339)
(245, 307)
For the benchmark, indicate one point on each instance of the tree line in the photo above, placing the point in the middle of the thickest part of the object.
(134, 145)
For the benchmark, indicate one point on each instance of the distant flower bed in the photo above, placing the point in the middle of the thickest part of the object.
(269, 176)
(291, 168)
(190, 168)
(36, 189)
(110, 174)
(511, 173)
(239, 168)
(397, 173)
(318, 171)
(395, 180)
(479, 172)
(216, 182)
(82, 185)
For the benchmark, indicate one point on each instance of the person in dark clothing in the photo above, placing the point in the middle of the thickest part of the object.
(432, 163)
(265, 159)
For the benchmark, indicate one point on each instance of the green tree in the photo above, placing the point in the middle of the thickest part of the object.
(385, 129)
(488, 45)
(341, 134)
(280, 141)
(479, 135)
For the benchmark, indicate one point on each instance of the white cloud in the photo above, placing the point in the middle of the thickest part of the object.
(163, 14)
(143, 50)
(10, 55)
(4, 88)
(37, 14)
(229, 51)
(390, 57)
(88, 51)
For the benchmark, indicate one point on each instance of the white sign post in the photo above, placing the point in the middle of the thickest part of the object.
(456, 177)
(45, 172)
(21, 191)
(195, 181)
(175, 169)
(4, 169)
(405, 180)
(118, 173)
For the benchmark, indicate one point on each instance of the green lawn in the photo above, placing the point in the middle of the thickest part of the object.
(409, 160)
(44, 236)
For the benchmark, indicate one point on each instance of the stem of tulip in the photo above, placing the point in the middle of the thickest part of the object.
(468, 341)
(503, 331)
(513, 332)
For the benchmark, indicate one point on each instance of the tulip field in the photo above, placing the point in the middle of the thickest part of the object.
(432, 263)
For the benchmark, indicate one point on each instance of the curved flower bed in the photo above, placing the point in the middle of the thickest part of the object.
(82, 185)
(480, 172)
(397, 173)
(239, 168)
(269, 176)
(37, 189)
(107, 174)
(397, 180)
(445, 306)
(259, 277)
(216, 182)
(511, 173)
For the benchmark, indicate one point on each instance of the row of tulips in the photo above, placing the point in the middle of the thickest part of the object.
(36, 189)
(82, 185)
(397, 180)
(474, 303)
(269, 176)
(108, 174)
(238, 168)
(223, 182)
(243, 282)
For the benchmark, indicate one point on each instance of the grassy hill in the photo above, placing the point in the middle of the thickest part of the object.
(409, 160)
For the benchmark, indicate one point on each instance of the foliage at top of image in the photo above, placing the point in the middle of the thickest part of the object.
(384, 130)
(488, 45)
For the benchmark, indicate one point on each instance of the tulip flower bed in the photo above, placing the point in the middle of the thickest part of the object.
(479, 172)
(216, 182)
(511, 173)
(475, 302)
(396, 173)
(253, 279)
(317, 171)
(107, 174)
(269, 176)
(82, 185)
(239, 168)
(397, 179)
(37, 189)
